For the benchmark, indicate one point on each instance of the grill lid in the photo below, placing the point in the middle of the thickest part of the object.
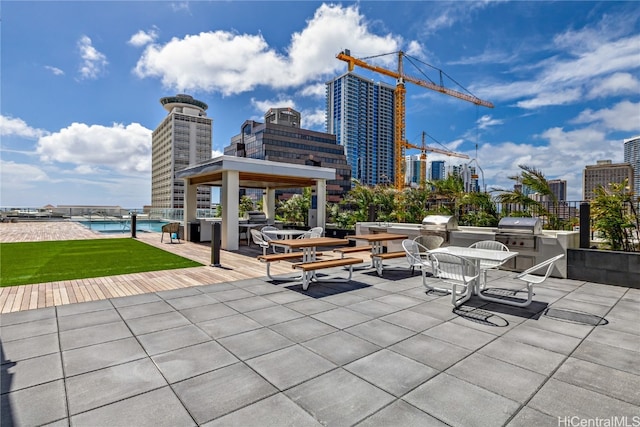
(440, 222)
(526, 225)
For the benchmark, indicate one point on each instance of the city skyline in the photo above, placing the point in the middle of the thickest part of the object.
(81, 82)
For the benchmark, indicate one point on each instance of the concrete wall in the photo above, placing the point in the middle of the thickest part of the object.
(607, 267)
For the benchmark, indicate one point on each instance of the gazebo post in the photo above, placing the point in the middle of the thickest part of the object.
(230, 203)
(269, 204)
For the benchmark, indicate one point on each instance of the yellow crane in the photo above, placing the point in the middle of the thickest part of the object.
(400, 143)
(423, 156)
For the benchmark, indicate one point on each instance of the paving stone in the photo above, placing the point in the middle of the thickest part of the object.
(560, 399)
(171, 339)
(459, 335)
(30, 372)
(156, 408)
(191, 301)
(273, 315)
(490, 374)
(98, 356)
(250, 304)
(303, 329)
(411, 320)
(87, 307)
(301, 365)
(216, 287)
(135, 300)
(380, 333)
(207, 312)
(400, 301)
(613, 357)
(285, 297)
(310, 306)
(528, 417)
(601, 379)
(431, 351)
(263, 289)
(459, 403)
(91, 335)
(254, 343)
(561, 325)
(178, 365)
(344, 298)
(13, 351)
(97, 388)
(535, 359)
(92, 318)
(229, 325)
(548, 340)
(25, 316)
(400, 413)
(231, 294)
(392, 372)
(146, 309)
(178, 293)
(341, 317)
(222, 391)
(339, 398)
(615, 339)
(341, 347)
(31, 329)
(17, 408)
(157, 322)
(436, 309)
(373, 308)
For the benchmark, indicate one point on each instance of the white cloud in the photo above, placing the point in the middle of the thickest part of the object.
(280, 101)
(318, 90)
(54, 70)
(616, 84)
(314, 119)
(17, 179)
(17, 127)
(93, 61)
(231, 63)
(487, 121)
(126, 149)
(143, 38)
(624, 116)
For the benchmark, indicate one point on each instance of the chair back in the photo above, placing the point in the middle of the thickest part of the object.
(528, 273)
(258, 237)
(413, 251)
(490, 244)
(453, 269)
(172, 227)
(430, 241)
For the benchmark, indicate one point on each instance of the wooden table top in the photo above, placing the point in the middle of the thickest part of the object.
(378, 237)
(310, 242)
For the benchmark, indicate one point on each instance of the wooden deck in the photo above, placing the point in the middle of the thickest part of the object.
(235, 265)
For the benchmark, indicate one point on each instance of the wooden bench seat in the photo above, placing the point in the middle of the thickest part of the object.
(352, 249)
(308, 269)
(378, 258)
(291, 256)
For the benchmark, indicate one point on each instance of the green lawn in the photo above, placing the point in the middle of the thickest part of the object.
(39, 262)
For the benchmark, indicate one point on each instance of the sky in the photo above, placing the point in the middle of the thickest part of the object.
(81, 82)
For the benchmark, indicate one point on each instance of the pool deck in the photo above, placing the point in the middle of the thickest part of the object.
(225, 346)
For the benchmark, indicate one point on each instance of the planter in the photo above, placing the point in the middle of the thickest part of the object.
(606, 267)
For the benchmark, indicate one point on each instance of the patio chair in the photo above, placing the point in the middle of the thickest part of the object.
(268, 238)
(417, 255)
(529, 278)
(313, 232)
(258, 239)
(430, 241)
(486, 264)
(173, 228)
(453, 270)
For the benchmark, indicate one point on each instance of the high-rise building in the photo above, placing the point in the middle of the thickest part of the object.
(280, 139)
(469, 177)
(632, 156)
(413, 166)
(604, 173)
(559, 188)
(182, 139)
(360, 113)
(437, 170)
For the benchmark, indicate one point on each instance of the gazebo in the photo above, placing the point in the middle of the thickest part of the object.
(232, 173)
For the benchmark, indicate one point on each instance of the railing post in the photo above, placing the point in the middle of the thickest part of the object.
(216, 235)
(585, 225)
(134, 226)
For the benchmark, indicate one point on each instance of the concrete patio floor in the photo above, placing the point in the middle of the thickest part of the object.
(372, 352)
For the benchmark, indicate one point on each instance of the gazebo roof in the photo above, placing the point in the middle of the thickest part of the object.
(254, 173)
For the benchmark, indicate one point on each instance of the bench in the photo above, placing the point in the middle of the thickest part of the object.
(309, 268)
(291, 256)
(378, 258)
(352, 249)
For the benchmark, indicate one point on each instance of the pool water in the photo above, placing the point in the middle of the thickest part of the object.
(124, 226)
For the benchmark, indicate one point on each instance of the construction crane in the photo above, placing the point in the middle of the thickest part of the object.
(423, 156)
(400, 143)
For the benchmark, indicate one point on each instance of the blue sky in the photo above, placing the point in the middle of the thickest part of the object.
(81, 82)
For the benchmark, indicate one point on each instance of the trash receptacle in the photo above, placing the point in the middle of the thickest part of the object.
(194, 232)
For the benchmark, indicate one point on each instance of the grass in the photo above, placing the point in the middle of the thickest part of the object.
(39, 262)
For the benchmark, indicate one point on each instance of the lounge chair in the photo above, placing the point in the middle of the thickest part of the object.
(173, 228)
(529, 278)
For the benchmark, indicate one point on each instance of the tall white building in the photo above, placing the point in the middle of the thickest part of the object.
(182, 139)
(632, 156)
(360, 113)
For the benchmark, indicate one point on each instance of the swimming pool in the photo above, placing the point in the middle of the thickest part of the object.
(124, 226)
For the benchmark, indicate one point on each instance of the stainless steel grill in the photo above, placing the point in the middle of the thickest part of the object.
(257, 217)
(439, 225)
(520, 225)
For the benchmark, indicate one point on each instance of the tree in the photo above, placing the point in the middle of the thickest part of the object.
(614, 216)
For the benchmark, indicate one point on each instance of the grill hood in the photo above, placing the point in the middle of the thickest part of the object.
(440, 222)
(520, 225)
